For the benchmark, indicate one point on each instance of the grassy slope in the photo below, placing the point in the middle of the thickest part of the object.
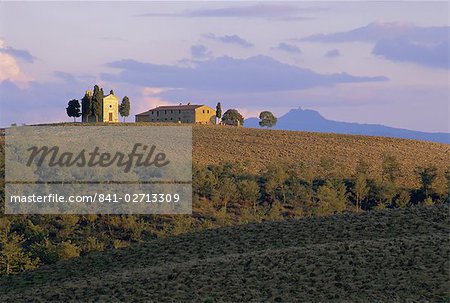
(387, 255)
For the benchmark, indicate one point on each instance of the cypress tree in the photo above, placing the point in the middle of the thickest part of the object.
(86, 106)
(96, 104)
(124, 108)
(218, 111)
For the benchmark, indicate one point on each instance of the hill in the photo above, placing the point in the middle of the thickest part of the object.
(313, 121)
(390, 255)
(255, 148)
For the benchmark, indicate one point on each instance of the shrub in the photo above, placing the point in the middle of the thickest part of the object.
(403, 199)
(120, 244)
(93, 244)
(428, 202)
(66, 250)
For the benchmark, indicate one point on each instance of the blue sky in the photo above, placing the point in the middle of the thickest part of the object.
(367, 62)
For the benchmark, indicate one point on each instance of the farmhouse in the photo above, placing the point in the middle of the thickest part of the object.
(188, 113)
(109, 111)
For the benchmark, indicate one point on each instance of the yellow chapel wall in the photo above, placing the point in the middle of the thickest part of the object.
(110, 105)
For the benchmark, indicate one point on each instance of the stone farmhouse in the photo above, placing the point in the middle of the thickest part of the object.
(188, 113)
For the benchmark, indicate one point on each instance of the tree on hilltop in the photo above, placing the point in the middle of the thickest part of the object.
(73, 109)
(86, 106)
(124, 108)
(96, 104)
(218, 111)
(267, 119)
(234, 116)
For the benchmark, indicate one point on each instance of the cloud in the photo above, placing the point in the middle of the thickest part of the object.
(226, 74)
(64, 76)
(18, 54)
(152, 91)
(39, 102)
(150, 98)
(332, 53)
(376, 31)
(290, 48)
(437, 55)
(200, 52)
(9, 67)
(229, 39)
(287, 12)
(396, 41)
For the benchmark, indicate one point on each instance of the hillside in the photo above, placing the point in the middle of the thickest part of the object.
(255, 148)
(384, 256)
(313, 121)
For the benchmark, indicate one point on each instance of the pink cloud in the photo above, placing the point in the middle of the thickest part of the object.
(10, 69)
(149, 99)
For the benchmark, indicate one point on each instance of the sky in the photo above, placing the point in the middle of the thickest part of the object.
(366, 62)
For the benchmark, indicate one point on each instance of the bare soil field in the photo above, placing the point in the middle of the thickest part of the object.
(381, 256)
(255, 148)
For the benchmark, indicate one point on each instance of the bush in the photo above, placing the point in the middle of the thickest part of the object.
(403, 199)
(120, 243)
(66, 250)
(93, 244)
(428, 202)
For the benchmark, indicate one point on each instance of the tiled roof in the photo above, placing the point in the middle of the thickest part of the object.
(143, 114)
(177, 107)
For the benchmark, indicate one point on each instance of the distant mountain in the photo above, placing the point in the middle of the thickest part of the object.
(313, 121)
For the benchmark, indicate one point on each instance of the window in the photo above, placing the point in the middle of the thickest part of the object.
(171, 111)
(179, 111)
(152, 112)
(157, 113)
(171, 118)
(203, 111)
(208, 111)
(165, 119)
(165, 112)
